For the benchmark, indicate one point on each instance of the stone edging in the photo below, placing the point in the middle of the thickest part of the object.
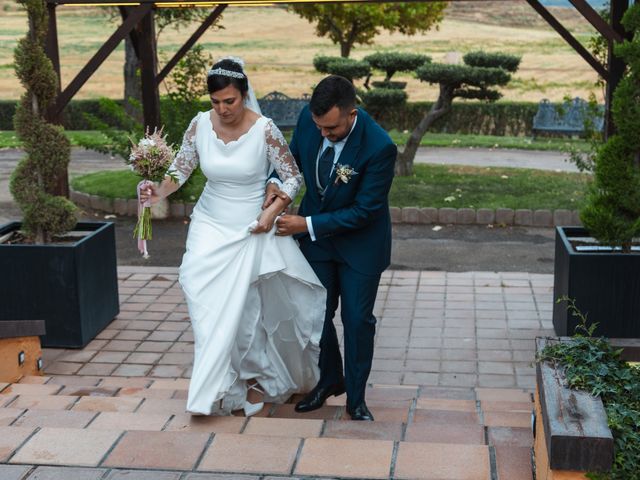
(406, 215)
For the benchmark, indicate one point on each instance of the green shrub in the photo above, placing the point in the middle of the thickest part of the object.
(345, 67)
(392, 62)
(378, 100)
(34, 182)
(492, 60)
(389, 84)
(612, 214)
(593, 365)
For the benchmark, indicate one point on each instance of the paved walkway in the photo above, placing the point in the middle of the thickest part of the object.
(450, 388)
(85, 161)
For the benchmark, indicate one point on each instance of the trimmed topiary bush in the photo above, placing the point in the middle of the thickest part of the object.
(378, 100)
(34, 181)
(612, 214)
(345, 67)
(392, 62)
(457, 81)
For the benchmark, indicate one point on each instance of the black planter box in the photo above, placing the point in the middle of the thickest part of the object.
(605, 287)
(73, 287)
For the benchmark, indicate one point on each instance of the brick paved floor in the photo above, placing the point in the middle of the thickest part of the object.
(450, 388)
(434, 328)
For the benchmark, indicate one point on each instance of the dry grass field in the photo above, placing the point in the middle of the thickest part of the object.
(278, 47)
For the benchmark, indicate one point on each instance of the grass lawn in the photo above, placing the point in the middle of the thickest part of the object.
(8, 139)
(490, 141)
(431, 186)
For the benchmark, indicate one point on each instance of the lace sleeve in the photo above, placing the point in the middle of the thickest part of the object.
(186, 159)
(280, 157)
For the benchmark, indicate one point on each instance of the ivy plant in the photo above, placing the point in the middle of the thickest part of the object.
(593, 365)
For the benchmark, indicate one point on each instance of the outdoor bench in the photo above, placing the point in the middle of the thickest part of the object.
(569, 119)
(283, 110)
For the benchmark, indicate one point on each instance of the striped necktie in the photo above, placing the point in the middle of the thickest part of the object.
(325, 164)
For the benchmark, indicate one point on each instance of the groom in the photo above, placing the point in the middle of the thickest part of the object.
(344, 229)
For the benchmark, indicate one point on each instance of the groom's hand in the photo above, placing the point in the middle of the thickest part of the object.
(290, 225)
(273, 192)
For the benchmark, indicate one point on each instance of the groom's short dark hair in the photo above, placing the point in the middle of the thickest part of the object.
(332, 91)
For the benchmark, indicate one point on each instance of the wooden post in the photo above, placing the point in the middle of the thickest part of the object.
(52, 51)
(615, 65)
(52, 115)
(150, 93)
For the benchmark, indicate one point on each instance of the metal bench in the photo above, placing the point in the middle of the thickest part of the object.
(283, 110)
(569, 119)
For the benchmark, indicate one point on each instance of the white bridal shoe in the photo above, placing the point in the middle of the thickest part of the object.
(253, 408)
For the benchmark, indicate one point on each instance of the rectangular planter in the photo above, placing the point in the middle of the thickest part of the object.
(72, 287)
(604, 285)
(576, 436)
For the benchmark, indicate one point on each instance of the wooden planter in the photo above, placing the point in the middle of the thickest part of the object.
(571, 432)
(605, 286)
(73, 287)
(20, 352)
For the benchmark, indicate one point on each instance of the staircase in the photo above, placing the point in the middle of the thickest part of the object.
(87, 427)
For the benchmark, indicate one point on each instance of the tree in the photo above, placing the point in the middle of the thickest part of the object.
(481, 71)
(164, 18)
(34, 181)
(388, 94)
(347, 25)
(345, 67)
(393, 62)
(612, 214)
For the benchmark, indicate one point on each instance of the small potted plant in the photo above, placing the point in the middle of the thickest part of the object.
(599, 265)
(54, 269)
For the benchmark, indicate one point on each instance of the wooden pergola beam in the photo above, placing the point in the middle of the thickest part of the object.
(569, 38)
(190, 42)
(596, 20)
(100, 56)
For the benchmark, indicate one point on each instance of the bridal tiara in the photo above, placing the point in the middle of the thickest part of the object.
(226, 73)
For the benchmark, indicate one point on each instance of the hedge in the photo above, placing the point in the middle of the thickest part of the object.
(479, 118)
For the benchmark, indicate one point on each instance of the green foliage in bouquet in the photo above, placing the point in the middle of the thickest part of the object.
(612, 214)
(592, 365)
(48, 152)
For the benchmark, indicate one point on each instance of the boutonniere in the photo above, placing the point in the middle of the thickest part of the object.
(344, 173)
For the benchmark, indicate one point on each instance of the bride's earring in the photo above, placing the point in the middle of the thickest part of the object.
(253, 408)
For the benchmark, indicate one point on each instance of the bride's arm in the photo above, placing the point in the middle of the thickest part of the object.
(183, 165)
(285, 166)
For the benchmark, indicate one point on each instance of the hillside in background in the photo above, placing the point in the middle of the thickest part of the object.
(279, 47)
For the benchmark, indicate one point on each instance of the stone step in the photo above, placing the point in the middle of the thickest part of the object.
(119, 424)
(242, 453)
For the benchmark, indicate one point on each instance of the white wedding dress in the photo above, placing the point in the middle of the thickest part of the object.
(256, 306)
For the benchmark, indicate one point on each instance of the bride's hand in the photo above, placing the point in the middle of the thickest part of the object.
(151, 193)
(265, 222)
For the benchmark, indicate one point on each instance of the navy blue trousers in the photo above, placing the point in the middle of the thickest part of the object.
(357, 295)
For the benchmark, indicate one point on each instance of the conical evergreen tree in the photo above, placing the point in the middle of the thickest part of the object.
(612, 214)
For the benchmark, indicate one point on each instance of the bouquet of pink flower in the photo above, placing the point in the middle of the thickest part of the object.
(150, 158)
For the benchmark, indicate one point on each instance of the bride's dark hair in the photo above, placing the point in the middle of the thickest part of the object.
(217, 80)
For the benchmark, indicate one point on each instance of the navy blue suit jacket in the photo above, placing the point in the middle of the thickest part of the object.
(351, 221)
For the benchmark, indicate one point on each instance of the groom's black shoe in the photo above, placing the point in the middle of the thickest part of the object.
(361, 412)
(316, 397)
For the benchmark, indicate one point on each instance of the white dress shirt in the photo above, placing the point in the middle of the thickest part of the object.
(338, 147)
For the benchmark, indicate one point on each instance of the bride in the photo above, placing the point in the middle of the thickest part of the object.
(256, 306)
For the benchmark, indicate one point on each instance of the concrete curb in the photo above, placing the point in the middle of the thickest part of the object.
(404, 215)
